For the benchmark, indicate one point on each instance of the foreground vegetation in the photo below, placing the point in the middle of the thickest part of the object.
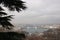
(12, 36)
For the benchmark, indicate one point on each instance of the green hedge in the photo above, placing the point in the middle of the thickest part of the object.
(12, 36)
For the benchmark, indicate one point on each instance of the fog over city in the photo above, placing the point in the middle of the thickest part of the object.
(40, 20)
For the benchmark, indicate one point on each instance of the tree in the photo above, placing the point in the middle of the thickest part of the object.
(12, 36)
(12, 5)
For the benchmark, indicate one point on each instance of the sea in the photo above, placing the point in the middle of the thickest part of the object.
(31, 28)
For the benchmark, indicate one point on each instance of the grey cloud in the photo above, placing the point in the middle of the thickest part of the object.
(40, 11)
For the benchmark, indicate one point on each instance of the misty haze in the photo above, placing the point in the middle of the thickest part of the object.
(29, 19)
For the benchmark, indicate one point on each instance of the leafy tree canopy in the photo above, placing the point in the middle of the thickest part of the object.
(12, 5)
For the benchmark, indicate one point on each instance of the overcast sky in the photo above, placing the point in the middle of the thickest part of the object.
(39, 12)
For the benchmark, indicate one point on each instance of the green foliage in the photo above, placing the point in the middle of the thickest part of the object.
(12, 36)
(17, 5)
(1, 9)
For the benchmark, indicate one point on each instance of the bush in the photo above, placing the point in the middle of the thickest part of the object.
(12, 36)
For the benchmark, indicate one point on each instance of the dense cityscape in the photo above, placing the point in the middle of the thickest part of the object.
(40, 32)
